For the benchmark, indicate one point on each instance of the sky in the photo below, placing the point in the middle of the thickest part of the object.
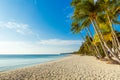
(36, 27)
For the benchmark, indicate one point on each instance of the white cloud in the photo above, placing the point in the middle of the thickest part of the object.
(18, 27)
(58, 42)
(19, 47)
(53, 46)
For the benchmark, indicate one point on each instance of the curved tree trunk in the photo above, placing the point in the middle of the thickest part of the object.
(101, 42)
(105, 44)
(94, 47)
(115, 39)
(88, 46)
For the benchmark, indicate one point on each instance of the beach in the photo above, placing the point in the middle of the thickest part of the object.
(74, 67)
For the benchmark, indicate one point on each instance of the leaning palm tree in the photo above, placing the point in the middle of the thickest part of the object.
(88, 32)
(114, 38)
(85, 25)
(111, 9)
(87, 10)
(77, 29)
(98, 49)
(84, 12)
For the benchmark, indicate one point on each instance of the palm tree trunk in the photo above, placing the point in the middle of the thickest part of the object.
(101, 42)
(94, 47)
(117, 43)
(105, 44)
(115, 47)
(87, 45)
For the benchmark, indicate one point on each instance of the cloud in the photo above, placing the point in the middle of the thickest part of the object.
(23, 47)
(18, 27)
(53, 46)
(59, 42)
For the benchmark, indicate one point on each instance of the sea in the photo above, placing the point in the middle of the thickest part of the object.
(9, 62)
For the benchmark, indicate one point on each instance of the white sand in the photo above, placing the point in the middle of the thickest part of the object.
(69, 68)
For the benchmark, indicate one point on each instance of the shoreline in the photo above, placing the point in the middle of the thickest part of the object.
(73, 67)
(34, 64)
(48, 62)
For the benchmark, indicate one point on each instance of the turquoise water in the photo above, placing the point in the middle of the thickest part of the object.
(8, 62)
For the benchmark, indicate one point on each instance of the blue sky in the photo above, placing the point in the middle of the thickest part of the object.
(36, 26)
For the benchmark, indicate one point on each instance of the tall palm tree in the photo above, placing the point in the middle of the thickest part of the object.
(77, 29)
(111, 9)
(87, 10)
(96, 47)
(83, 25)
(91, 39)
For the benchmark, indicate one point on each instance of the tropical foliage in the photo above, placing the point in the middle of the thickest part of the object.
(101, 15)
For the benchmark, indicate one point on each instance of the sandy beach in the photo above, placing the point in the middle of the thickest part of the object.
(69, 68)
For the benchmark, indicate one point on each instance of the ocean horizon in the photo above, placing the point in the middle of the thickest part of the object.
(14, 61)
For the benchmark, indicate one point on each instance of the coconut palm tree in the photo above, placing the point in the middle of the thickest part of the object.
(111, 9)
(77, 29)
(98, 25)
(91, 39)
(86, 23)
(87, 10)
(98, 49)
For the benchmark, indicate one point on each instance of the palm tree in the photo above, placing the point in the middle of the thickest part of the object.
(76, 29)
(87, 10)
(111, 9)
(91, 39)
(96, 47)
(112, 31)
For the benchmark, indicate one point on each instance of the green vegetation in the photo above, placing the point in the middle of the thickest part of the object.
(101, 15)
